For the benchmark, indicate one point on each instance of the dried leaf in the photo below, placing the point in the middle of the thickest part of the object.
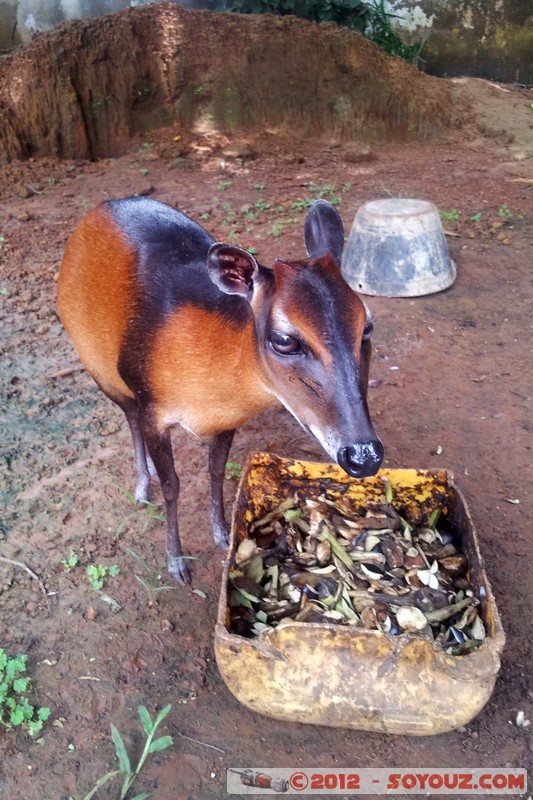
(246, 549)
(255, 569)
(411, 618)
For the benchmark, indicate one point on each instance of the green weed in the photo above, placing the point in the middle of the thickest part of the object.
(326, 191)
(70, 562)
(151, 745)
(504, 212)
(152, 584)
(153, 512)
(231, 214)
(300, 205)
(223, 185)
(451, 216)
(99, 575)
(15, 708)
(276, 229)
(380, 31)
(233, 470)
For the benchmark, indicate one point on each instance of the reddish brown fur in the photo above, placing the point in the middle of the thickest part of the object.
(204, 373)
(96, 295)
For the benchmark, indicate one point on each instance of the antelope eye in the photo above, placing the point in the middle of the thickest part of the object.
(368, 329)
(284, 344)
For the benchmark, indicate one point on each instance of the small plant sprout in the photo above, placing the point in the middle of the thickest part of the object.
(70, 562)
(451, 216)
(152, 582)
(325, 192)
(231, 214)
(504, 212)
(153, 512)
(233, 470)
(15, 708)
(99, 574)
(276, 229)
(125, 771)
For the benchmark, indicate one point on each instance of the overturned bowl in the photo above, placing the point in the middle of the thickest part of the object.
(397, 248)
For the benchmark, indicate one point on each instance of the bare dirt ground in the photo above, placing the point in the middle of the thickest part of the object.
(452, 369)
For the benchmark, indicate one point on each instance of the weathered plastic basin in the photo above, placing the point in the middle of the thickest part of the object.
(397, 248)
(346, 677)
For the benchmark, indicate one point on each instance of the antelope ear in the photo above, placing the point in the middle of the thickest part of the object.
(232, 269)
(323, 231)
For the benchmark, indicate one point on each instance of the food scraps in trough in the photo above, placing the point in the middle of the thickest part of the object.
(320, 561)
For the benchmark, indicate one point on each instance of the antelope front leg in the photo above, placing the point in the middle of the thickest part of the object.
(219, 447)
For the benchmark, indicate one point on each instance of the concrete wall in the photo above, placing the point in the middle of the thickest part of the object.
(485, 38)
(8, 24)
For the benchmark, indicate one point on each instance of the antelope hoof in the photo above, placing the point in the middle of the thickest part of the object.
(221, 535)
(178, 570)
(142, 491)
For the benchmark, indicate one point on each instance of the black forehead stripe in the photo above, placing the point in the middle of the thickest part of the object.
(331, 304)
(330, 299)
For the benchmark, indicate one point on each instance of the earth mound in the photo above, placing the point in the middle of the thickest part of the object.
(84, 89)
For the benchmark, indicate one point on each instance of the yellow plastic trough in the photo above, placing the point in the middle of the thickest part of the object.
(347, 677)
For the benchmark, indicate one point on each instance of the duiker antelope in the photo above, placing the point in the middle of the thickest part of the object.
(178, 329)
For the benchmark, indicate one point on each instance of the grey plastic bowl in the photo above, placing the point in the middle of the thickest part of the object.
(397, 248)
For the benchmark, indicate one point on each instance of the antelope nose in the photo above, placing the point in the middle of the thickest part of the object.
(362, 459)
